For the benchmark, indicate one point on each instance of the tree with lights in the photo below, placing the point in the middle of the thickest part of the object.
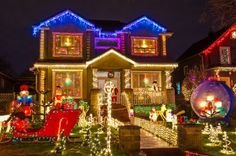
(226, 148)
(213, 137)
(192, 79)
(219, 13)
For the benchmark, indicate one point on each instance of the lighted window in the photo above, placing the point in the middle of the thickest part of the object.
(225, 55)
(144, 46)
(67, 44)
(69, 81)
(146, 79)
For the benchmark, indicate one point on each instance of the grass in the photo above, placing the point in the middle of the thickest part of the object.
(215, 150)
(78, 149)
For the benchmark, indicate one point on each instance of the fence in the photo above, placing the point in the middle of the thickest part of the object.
(146, 96)
(5, 99)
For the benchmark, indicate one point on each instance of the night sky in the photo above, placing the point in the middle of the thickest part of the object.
(20, 48)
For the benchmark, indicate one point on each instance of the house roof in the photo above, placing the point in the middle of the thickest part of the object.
(108, 25)
(201, 45)
(105, 25)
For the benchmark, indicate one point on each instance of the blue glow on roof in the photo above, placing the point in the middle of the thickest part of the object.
(60, 18)
(68, 16)
(145, 21)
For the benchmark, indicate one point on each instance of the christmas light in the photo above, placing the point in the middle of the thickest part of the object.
(161, 131)
(98, 58)
(213, 137)
(144, 21)
(226, 148)
(221, 39)
(61, 18)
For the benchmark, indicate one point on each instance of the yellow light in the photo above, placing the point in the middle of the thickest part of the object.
(144, 44)
(210, 98)
(146, 80)
(68, 42)
(111, 51)
(203, 104)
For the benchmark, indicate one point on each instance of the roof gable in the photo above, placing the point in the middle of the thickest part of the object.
(221, 39)
(144, 22)
(63, 17)
(201, 45)
(110, 52)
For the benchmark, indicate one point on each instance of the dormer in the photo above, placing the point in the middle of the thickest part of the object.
(63, 36)
(147, 38)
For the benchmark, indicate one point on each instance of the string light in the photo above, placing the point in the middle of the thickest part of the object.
(226, 145)
(60, 18)
(161, 131)
(127, 78)
(144, 21)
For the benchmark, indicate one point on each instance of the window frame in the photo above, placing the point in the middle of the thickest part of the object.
(144, 54)
(65, 71)
(80, 35)
(157, 72)
(229, 59)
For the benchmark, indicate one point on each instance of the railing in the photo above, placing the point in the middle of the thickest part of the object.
(125, 101)
(161, 131)
(147, 96)
(5, 99)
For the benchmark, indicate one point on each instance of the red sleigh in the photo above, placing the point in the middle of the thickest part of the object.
(57, 121)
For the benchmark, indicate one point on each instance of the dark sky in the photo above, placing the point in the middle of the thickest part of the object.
(20, 48)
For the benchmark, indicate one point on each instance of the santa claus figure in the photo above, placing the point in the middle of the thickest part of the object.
(114, 94)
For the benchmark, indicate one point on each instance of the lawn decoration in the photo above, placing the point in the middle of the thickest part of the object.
(226, 148)
(83, 106)
(212, 100)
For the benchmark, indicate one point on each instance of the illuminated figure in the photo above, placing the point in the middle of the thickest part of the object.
(58, 98)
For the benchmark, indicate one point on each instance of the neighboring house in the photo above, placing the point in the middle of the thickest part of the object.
(6, 91)
(80, 57)
(215, 55)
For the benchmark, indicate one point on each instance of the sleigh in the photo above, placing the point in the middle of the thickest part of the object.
(57, 122)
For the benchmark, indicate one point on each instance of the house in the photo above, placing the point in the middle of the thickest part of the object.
(214, 55)
(7, 82)
(80, 57)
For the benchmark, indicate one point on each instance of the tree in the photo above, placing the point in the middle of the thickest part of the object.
(193, 78)
(219, 13)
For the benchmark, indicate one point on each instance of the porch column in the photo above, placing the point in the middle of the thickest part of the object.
(94, 95)
(42, 43)
(168, 80)
(42, 84)
(127, 77)
(170, 92)
(95, 78)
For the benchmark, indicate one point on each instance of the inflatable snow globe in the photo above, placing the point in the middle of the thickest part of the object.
(212, 100)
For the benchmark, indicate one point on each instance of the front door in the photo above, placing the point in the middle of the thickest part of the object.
(114, 77)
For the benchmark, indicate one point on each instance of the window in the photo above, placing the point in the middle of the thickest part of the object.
(225, 57)
(144, 46)
(67, 44)
(145, 79)
(106, 43)
(69, 81)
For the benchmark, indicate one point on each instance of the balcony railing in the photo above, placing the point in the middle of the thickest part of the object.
(147, 96)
